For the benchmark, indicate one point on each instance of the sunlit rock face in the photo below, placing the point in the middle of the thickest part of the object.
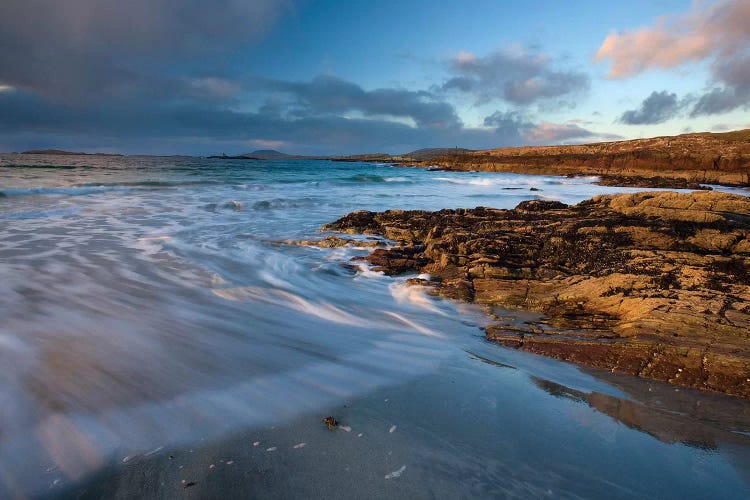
(652, 284)
(670, 162)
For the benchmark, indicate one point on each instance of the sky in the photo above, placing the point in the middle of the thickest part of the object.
(345, 77)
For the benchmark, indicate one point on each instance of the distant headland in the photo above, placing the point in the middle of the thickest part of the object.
(680, 161)
(418, 155)
(61, 152)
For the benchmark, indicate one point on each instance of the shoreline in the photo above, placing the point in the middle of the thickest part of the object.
(650, 284)
(688, 159)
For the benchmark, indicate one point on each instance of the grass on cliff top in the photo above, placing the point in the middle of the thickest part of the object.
(736, 135)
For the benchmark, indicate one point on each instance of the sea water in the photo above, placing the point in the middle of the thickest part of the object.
(155, 324)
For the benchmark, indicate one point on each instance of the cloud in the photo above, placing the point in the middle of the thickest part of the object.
(633, 52)
(515, 129)
(86, 49)
(733, 72)
(153, 70)
(196, 127)
(547, 133)
(147, 76)
(519, 76)
(709, 29)
(510, 125)
(717, 32)
(656, 108)
(331, 95)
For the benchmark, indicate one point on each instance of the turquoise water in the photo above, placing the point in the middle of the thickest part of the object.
(149, 308)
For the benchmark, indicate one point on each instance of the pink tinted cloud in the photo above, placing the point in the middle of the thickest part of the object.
(563, 133)
(546, 132)
(721, 28)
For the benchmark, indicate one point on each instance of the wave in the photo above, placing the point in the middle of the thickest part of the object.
(66, 191)
(39, 214)
(99, 187)
(572, 181)
(374, 178)
(229, 205)
(482, 182)
(277, 203)
(155, 184)
(56, 167)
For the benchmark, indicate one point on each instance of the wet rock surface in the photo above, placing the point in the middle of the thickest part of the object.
(651, 182)
(331, 423)
(332, 241)
(651, 284)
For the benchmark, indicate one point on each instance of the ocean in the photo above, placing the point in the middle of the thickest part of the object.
(157, 330)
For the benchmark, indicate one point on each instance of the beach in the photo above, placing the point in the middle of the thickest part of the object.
(155, 306)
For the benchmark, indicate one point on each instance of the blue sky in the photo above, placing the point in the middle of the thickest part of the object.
(337, 77)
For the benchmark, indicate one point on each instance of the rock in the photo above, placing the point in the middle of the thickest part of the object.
(651, 182)
(332, 241)
(331, 423)
(652, 284)
(683, 161)
(233, 205)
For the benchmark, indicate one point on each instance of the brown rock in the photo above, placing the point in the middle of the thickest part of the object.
(331, 423)
(652, 284)
(683, 161)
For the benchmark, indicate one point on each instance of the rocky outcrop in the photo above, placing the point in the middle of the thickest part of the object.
(651, 284)
(650, 182)
(697, 158)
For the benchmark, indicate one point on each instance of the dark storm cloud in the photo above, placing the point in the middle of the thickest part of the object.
(520, 77)
(732, 73)
(511, 126)
(656, 108)
(198, 127)
(160, 72)
(26, 113)
(154, 68)
(329, 94)
(85, 49)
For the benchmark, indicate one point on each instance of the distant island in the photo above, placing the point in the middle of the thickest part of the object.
(61, 152)
(425, 154)
(258, 154)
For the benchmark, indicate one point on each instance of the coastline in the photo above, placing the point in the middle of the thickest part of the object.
(689, 159)
(650, 284)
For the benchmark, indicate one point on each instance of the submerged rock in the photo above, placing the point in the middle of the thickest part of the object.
(331, 423)
(651, 284)
(332, 241)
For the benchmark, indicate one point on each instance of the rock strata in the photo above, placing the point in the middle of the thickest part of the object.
(651, 284)
(699, 158)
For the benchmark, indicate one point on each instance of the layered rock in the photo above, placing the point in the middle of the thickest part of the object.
(696, 158)
(652, 284)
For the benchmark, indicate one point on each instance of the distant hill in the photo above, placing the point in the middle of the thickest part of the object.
(425, 154)
(61, 152)
(258, 153)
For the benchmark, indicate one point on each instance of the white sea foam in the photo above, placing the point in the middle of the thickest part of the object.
(365, 271)
(415, 295)
(396, 473)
